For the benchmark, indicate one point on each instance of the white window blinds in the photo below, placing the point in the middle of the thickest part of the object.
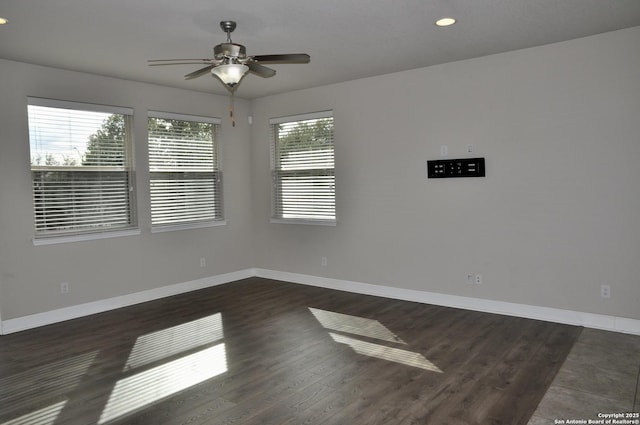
(303, 168)
(80, 166)
(186, 180)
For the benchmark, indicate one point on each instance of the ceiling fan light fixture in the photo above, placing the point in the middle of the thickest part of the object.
(230, 74)
(445, 22)
(3, 20)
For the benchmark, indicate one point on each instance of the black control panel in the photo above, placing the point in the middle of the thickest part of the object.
(465, 167)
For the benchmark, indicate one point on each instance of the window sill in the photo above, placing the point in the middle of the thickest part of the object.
(52, 240)
(175, 227)
(330, 223)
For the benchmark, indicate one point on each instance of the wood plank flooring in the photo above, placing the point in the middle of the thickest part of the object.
(601, 374)
(260, 351)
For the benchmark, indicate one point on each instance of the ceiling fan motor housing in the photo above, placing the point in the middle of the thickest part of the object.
(229, 50)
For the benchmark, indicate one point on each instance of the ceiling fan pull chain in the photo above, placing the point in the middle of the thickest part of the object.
(233, 118)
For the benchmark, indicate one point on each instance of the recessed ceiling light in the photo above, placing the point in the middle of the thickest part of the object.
(445, 22)
(3, 21)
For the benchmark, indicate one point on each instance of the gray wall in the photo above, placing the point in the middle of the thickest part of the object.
(556, 216)
(30, 276)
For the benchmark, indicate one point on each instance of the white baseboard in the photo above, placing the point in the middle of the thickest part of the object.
(589, 320)
(577, 318)
(60, 315)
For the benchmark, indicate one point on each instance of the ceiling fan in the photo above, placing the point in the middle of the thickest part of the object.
(230, 62)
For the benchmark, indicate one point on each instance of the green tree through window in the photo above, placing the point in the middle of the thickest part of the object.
(186, 180)
(303, 169)
(80, 167)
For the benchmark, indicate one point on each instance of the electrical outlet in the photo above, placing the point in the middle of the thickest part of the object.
(605, 291)
(478, 279)
(64, 288)
(203, 262)
(323, 261)
(470, 279)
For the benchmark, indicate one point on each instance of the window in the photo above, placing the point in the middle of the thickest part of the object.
(81, 167)
(303, 169)
(186, 180)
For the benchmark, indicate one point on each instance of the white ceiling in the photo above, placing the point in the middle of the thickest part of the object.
(347, 39)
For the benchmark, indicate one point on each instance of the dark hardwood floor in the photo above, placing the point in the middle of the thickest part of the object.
(260, 351)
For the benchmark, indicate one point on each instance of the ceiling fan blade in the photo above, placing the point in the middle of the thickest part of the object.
(260, 70)
(156, 62)
(200, 72)
(285, 58)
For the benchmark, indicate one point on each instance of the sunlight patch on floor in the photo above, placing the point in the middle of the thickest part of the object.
(53, 379)
(354, 325)
(369, 328)
(144, 388)
(45, 416)
(177, 339)
(391, 354)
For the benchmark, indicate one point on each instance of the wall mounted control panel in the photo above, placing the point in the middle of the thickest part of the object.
(465, 167)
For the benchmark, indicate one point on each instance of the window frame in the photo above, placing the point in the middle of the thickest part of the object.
(275, 170)
(44, 237)
(217, 171)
